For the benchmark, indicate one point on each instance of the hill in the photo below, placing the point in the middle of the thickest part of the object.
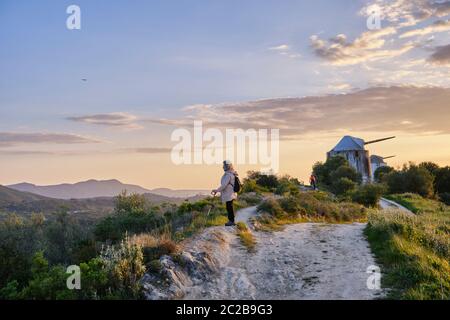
(26, 203)
(80, 190)
(99, 188)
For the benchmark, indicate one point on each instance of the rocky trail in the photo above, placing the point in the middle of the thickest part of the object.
(304, 261)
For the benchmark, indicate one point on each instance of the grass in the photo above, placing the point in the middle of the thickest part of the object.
(246, 236)
(414, 251)
(416, 203)
(306, 207)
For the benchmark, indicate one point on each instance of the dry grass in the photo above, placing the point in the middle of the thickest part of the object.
(154, 246)
(246, 236)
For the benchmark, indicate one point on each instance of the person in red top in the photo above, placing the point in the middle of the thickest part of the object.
(313, 181)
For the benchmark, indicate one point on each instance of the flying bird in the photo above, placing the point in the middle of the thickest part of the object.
(84, 80)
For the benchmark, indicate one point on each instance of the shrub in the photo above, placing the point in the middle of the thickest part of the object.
(133, 203)
(250, 199)
(411, 178)
(381, 173)
(323, 171)
(343, 186)
(272, 207)
(368, 195)
(442, 181)
(124, 264)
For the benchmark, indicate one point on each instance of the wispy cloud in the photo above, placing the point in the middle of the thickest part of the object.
(386, 43)
(9, 139)
(285, 50)
(114, 119)
(437, 26)
(148, 150)
(406, 13)
(382, 109)
(282, 47)
(369, 46)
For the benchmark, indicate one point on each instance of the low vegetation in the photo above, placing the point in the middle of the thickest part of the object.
(112, 253)
(426, 179)
(414, 250)
(246, 236)
(307, 207)
(338, 177)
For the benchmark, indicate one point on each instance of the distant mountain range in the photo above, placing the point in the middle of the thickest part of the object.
(99, 188)
(25, 203)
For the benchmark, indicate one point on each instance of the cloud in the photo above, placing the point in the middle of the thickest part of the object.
(367, 47)
(285, 50)
(437, 26)
(149, 150)
(377, 109)
(8, 139)
(405, 13)
(441, 55)
(283, 47)
(115, 119)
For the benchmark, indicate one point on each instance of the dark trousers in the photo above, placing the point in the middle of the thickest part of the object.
(230, 210)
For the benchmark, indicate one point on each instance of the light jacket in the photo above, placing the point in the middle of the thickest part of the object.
(226, 188)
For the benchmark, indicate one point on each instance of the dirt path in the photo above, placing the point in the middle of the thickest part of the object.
(304, 261)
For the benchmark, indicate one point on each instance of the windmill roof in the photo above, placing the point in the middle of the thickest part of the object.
(349, 143)
(376, 159)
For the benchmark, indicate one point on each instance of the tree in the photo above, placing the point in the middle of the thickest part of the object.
(133, 203)
(442, 181)
(411, 178)
(369, 194)
(432, 167)
(336, 175)
(381, 173)
(323, 170)
(345, 171)
(343, 186)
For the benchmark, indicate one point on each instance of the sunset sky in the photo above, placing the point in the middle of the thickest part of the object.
(309, 68)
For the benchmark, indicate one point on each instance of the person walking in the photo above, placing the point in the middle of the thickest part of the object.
(313, 182)
(226, 190)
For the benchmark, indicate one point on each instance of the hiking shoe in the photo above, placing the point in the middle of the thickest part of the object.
(230, 224)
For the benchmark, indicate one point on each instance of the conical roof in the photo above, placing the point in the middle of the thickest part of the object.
(349, 143)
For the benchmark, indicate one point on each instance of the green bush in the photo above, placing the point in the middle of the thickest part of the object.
(336, 175)
(343, 186)
(369, 195)
(381, 173)
(413, 179)
(272, 207)
(124, 263)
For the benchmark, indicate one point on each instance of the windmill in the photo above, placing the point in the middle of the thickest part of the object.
(353, 149)
(377, 162)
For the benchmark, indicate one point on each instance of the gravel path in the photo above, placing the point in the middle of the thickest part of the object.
(304, 261)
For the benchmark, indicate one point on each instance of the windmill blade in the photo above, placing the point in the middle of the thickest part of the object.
(379, 140)
(389, 157)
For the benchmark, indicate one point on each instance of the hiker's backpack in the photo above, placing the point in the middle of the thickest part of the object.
(237, 184)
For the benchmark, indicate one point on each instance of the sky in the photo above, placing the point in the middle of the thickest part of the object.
(312, 69)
